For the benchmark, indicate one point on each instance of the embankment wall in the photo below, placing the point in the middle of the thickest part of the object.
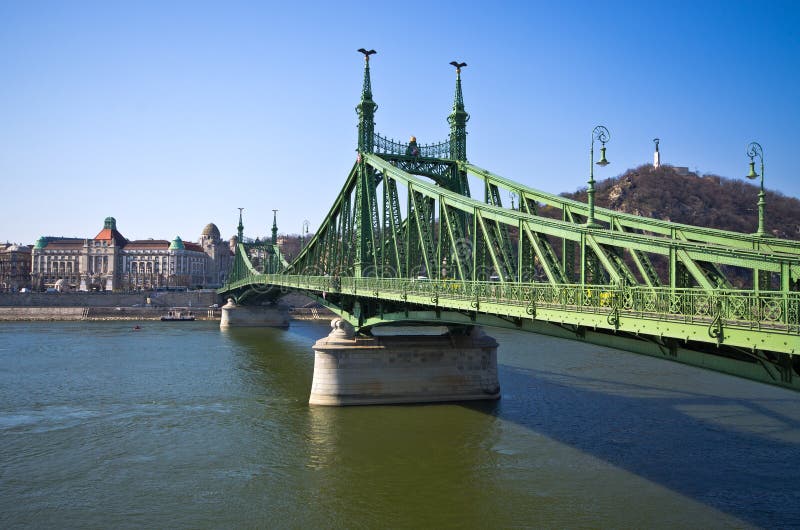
(196, 299)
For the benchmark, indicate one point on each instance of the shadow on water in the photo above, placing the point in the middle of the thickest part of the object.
(727, 443)
(735, 455)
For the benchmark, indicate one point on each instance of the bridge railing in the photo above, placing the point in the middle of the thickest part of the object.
(383, 145)
(764, 311)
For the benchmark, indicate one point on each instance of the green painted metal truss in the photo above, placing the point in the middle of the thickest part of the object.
(256, 256)
(405, 242)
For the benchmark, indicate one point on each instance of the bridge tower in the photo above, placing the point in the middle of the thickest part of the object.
(268, 313)
(458, 120)
(366, 109)
(365, 208)
(412, 364)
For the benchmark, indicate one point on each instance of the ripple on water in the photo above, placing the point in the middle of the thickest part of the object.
(45, 419)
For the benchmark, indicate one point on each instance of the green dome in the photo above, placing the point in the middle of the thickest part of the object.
(41, 243)
(177, 244)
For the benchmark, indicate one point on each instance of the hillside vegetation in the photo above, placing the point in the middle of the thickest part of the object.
(701, 200)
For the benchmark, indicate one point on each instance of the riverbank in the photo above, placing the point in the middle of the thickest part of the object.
(156, 299)
(85, 306)
(26, 314)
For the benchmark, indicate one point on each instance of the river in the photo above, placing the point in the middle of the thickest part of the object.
(180, 425)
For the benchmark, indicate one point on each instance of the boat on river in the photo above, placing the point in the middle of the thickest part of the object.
(178, 314)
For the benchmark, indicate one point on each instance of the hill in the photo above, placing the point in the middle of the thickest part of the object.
(702, 200)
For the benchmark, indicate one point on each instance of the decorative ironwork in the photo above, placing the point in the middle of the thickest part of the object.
(613, 318)
(385, 146)
(715, 328)
(530, 306)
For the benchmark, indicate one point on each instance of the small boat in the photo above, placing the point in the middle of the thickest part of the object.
(178, 314)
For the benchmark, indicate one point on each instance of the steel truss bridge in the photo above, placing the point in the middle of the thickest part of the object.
(405, 242)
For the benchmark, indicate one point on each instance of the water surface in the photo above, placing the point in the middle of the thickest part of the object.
(180, 425)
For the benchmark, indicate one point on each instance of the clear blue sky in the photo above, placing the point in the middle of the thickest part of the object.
(170, 115)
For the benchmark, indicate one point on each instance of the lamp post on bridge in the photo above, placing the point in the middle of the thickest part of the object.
(601, 134)
(754, 150)
(304, 234)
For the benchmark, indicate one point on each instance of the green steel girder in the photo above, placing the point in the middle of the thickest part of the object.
(640, 259)
(393, 250)
(689, 251)
(611, 266)
(655, 226)
(327, 247)
(493, 252)
(440, 171)
(500, 234)
(423, 242)
(545, 254)
(365, 222)
(455, 235)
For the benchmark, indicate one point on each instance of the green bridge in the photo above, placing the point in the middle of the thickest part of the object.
(406, 243)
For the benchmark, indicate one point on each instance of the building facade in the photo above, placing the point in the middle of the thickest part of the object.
(15, 267)
(110, 262)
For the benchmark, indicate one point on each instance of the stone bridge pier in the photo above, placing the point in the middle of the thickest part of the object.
(240, 316)
(403, 368)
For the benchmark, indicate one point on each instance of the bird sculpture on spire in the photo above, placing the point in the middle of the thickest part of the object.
(458, 66)
(366, 53)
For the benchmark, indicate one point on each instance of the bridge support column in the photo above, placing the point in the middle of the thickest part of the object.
(351, 370)
(240, 316)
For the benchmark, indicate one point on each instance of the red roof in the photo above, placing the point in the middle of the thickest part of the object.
(109, 234)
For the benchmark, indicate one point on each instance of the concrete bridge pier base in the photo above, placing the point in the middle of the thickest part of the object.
(241, 316)
(351, 370)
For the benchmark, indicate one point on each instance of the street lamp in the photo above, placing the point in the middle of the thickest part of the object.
(303, 234)
(754, 150)
(602, 135)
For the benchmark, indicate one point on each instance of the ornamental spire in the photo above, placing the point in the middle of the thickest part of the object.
(240, 227)
(366, 109)
(458, 119)
(274, 227)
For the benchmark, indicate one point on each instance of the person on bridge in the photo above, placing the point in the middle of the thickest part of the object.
(412, 148)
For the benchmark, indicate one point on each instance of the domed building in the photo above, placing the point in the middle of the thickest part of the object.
(210, 232)
(109, 261)
(220, 253)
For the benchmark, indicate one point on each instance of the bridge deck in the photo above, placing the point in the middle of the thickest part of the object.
(745, 319)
